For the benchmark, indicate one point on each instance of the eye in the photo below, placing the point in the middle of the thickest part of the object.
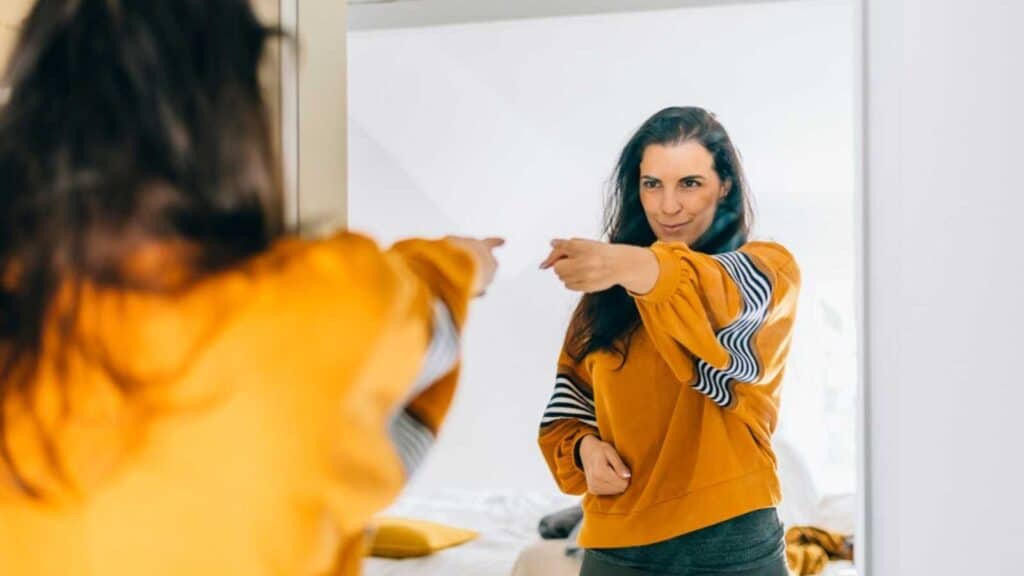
(691, 183)
(650, 184)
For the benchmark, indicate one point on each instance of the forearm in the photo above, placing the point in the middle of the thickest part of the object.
(636, 268)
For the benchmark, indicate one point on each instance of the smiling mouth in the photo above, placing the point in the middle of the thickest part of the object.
(673, 226)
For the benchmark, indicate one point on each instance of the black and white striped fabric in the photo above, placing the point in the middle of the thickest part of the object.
(412, 438)
(738, 338)
(443, 353)
(569, 400)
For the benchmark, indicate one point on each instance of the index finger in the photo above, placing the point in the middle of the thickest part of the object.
(554, 256)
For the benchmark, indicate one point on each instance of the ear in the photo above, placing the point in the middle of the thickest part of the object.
(726, 188)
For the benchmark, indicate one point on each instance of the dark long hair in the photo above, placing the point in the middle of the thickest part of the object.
(606, 320)
(127, 123)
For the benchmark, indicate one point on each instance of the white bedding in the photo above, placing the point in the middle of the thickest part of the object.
(507, 524)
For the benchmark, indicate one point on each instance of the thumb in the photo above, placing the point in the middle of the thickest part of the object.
(567, 247)
(615, 461)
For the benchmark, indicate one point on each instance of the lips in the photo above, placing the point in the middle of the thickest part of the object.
(672, 227)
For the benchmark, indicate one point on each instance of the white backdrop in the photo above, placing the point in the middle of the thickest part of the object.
(513, 128)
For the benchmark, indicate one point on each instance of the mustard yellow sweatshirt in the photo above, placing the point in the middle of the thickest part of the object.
(278, 406)
(693, 409)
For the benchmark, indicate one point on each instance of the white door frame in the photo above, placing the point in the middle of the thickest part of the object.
(314, 114)
(440, 12)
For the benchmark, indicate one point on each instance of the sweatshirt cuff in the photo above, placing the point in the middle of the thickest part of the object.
(670, 274)
(576, 453)
(448, 270)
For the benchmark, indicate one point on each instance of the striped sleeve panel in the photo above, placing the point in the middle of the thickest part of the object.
(570, 400)
(412, 438)
(738, 338)
(443, 353)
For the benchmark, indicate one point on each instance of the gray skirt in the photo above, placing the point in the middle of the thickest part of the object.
(749, 545)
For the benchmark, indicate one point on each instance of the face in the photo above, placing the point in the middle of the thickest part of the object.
(680, 190)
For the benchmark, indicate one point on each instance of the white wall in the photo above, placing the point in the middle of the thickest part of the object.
(944, 278)
(376, 14)
(512, 128)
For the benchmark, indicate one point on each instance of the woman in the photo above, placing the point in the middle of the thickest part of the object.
(667, 391)
(184, 388)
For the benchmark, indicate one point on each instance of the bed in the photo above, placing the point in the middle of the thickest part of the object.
(507, 523)
(509, 544)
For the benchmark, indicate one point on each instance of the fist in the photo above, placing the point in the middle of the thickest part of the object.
(583, 265)
(607, 474)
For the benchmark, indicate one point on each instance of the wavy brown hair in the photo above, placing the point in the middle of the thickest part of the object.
(606, 320)
(127, 122)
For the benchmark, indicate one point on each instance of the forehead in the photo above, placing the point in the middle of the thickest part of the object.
(676, 160)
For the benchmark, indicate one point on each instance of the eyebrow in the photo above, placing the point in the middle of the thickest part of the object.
(690, 177)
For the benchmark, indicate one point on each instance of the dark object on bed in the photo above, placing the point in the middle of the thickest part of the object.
(560, 524)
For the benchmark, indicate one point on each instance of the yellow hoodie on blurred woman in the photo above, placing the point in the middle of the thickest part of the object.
(251, 423)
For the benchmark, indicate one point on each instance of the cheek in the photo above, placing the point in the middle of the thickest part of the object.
(649, 203)
(704, 204)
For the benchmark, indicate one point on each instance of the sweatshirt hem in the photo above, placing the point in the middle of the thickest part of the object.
(681, 515)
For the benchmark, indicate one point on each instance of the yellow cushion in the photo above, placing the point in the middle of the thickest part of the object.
(406, 538)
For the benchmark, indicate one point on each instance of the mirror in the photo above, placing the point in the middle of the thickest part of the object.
(512, 128)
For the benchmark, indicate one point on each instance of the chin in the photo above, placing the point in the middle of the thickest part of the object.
(676, 238)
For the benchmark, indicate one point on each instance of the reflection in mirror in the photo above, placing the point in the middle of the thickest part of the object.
(515, 129)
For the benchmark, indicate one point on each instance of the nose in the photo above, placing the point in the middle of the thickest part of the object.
(670, 204)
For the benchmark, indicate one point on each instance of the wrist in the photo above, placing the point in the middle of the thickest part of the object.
(578, 451)
(622, 262)
(638, 269)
